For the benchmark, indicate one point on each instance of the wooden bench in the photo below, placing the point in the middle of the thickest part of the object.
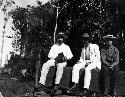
(66, 78)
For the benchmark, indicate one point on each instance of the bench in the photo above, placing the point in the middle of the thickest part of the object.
(66, 78)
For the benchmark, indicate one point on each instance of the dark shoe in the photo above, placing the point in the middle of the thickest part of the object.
(116, 92)
(70, 92)
(56, 87)
(109, 95)
(41, 87)
(106, 92)
(84, 92)
(75, 87)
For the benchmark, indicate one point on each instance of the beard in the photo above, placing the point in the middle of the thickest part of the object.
(60, 41)
(85, 43)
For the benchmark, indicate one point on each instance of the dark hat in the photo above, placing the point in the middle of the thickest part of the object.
(85, 36)
(109, 37)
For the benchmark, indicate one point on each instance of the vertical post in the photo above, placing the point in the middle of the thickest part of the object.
(2, 47)
(56, 24)
(57, 14)
(3, 41)
(37, 69)
(36, 74)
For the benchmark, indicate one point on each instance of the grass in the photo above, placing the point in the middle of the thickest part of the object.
(14, 88)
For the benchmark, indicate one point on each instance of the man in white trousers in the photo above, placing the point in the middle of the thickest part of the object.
(59, 54)
(89, 60)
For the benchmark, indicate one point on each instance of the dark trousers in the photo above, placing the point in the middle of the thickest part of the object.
(111, 78)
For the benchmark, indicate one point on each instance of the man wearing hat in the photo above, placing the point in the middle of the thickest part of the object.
(89, 60)
(59, 54)
(110, 67)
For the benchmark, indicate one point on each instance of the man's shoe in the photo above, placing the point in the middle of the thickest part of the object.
(106, 92)
(84, 92)
(42, 87)
(75, 87)
(116, 93)
(56, 87)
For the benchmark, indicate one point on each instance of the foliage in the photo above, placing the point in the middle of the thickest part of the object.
(36, 25)
(97, 17)
(17, 64)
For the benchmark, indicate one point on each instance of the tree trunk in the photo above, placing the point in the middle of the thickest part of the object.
(56, 25)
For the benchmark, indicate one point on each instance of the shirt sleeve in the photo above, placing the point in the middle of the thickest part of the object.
(52, 54)
(103, 56)
(69, 54)
(116, 55)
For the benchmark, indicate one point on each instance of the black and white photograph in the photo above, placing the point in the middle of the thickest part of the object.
(62, 48)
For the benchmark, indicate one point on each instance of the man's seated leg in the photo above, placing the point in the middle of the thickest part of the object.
(114, 82)
(59, 73)
(105, 69)
(87, 78)
(116, 87)
(75, 76)
(94, 84)
(50, 77)
(45, 68)
(66, 78)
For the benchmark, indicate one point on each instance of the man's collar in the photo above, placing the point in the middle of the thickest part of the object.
(60, 45)
(111, 46)
(87, 45)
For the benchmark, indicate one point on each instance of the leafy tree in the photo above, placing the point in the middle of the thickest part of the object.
(36, 27)
(37, 24)
(97, 17)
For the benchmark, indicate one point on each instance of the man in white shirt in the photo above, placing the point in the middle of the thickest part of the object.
(59, 54)
(89, 60)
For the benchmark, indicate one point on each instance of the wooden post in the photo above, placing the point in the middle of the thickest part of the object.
(36, 75)
(37, 69)
(56, 24)
(2, 44)
(57, 14)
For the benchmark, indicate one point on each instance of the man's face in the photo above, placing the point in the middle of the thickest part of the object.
(85, 41)
(60, 40)
(109, 42)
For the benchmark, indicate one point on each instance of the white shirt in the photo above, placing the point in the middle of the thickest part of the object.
(56, 49)
(94, 53)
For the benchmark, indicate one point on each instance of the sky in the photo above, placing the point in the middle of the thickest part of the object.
(24, 3)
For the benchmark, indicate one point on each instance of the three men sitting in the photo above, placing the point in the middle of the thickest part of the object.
(90, 59)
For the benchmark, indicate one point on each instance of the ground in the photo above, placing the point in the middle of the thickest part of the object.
(11, 87)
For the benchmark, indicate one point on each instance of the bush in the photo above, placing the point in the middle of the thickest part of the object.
(18, 63)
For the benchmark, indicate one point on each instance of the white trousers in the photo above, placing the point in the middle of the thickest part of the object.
(87, 78)
(45, 68)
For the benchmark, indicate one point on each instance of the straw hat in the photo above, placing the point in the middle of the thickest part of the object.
(109, 37)
(85, 35)
(60, 34)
